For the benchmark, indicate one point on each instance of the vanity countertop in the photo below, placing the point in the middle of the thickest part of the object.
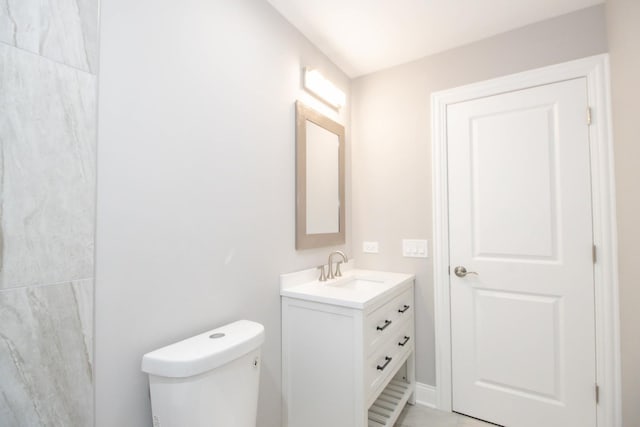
(361, 289)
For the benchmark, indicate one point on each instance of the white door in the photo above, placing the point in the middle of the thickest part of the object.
(522, 328)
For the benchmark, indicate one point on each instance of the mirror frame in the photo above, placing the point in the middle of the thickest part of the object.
(303, 239)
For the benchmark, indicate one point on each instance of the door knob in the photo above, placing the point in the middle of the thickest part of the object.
(460, 271)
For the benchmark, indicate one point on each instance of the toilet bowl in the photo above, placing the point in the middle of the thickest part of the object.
(208, 380)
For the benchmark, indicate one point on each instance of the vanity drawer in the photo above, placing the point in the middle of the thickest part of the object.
(385, 321)
(385, 362)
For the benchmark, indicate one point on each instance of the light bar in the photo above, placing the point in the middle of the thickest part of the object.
(319, 86)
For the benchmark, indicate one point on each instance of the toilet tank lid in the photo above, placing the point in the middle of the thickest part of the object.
(205, 351)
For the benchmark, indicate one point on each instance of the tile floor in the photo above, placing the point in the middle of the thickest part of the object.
(422, 416)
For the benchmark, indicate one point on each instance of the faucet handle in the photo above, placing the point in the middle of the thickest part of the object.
(338, 272)
(322, 277)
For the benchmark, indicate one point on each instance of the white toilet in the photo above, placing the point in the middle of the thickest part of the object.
(208, 380)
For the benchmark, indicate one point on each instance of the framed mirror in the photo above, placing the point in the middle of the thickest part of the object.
(320, 208)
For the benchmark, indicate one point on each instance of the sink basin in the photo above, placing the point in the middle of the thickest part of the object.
(355, 284)
(356, 288)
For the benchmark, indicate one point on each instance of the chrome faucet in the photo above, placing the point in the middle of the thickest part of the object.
(337, 273)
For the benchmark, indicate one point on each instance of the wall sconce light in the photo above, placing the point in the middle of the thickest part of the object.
(318, 85)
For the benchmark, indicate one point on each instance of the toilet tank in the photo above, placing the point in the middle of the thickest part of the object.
(208, 380)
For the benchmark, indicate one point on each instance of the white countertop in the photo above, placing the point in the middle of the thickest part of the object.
(356, 288)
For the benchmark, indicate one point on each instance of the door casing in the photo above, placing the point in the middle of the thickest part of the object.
(596, 71)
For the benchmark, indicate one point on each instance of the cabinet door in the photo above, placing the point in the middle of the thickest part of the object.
(322, 359)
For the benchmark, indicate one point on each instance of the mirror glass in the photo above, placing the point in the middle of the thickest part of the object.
(319, 180)
(323, 196)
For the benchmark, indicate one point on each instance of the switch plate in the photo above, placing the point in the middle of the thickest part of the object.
(370, 247)
(415, 248)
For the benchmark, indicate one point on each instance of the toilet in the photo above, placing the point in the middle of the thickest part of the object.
(209, 380)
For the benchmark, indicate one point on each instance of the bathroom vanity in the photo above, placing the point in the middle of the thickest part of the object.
(347, 348)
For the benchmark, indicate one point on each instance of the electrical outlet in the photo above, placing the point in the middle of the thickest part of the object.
(370, 247)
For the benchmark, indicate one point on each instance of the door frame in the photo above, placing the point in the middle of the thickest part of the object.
(607, 351)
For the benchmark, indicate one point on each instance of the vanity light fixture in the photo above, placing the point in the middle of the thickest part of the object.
(318, 85)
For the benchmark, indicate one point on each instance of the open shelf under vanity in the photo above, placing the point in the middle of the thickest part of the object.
(384, 412)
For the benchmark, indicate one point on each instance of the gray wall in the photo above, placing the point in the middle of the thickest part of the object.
(391, 144)
(48, 65)
(623, 26)
(196, 191)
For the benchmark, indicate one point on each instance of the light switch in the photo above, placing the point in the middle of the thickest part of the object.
(370, 247)
(414, 248)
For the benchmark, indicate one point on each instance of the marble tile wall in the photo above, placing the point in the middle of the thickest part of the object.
(47, 126)
(65, 31)
(46, 355)
(48, 67)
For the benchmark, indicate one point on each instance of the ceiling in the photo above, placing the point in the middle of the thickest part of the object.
(363, 36)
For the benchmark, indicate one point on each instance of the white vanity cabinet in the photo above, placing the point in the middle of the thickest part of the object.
(348, 356)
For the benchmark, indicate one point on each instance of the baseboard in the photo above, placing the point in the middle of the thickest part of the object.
(426, 395)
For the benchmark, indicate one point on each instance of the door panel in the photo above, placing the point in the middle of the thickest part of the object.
(523, 339)
(528, 361)
(499, 149)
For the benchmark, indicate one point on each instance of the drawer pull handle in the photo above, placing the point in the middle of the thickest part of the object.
(404, 308)
(406, 340)
(382, 328)
(387, 361)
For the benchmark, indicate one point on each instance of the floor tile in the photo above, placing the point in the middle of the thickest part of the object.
(423, 416)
